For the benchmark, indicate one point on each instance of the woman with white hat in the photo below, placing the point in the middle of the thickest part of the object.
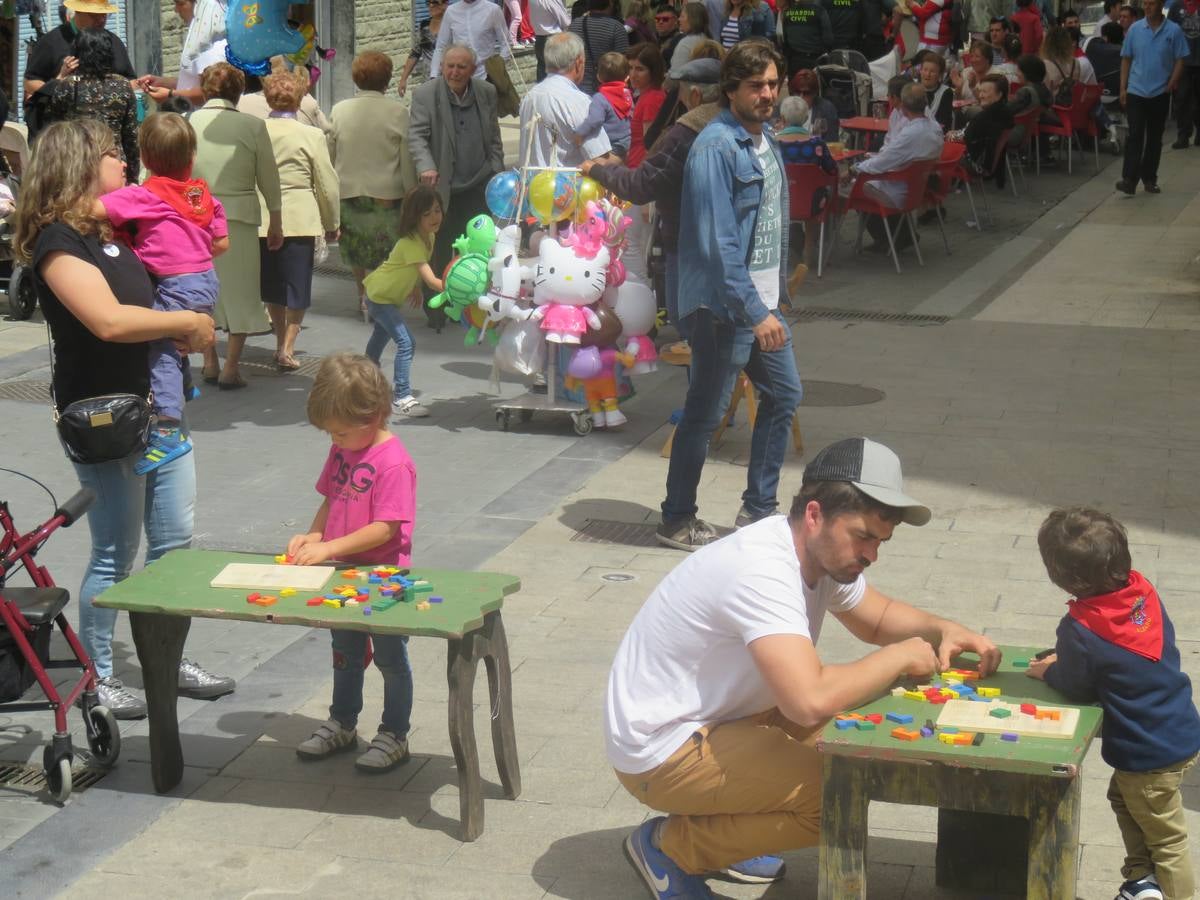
(53, 57)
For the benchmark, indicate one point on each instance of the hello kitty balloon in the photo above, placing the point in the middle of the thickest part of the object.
(564, 287)
(633, 303)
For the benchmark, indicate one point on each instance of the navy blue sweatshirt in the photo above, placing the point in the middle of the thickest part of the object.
(1149, 719)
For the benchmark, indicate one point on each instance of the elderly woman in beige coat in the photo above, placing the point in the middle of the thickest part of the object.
(310, 208)
(234, 155)
(369, 144)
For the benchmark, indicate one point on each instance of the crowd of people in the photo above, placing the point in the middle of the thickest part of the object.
(146, 234)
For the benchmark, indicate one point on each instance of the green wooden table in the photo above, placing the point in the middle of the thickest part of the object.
(1008, 813)
(163, 598)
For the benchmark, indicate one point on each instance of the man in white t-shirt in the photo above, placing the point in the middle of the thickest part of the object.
(717, 693)
(203, 45)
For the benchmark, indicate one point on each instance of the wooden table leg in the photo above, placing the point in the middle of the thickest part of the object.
(842, 867)
(504, 735)
(159, 642)
(1053, 838)
(462, 661)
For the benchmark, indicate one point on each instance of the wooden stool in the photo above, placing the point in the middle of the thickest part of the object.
(680, 354)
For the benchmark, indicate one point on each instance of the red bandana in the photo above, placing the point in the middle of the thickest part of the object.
(190, 198)
(1131, 618)
(616, 93)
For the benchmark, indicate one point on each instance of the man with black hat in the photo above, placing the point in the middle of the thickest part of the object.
(717, 693)
(659, 179)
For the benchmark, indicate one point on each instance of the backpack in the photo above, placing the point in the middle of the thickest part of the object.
(1064, 93)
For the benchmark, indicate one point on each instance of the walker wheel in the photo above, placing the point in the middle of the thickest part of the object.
(58, 777)
(103, 735)
(582, 422)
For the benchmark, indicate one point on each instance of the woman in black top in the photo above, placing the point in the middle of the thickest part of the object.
(94, 91)
(97, 297)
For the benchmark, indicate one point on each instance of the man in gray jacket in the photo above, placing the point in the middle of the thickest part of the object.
(454, 135)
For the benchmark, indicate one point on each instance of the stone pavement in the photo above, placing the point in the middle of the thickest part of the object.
(997, 418)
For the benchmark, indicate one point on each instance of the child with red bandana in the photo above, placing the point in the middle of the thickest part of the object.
(176, 227)
(1116, 646)
(612, 105)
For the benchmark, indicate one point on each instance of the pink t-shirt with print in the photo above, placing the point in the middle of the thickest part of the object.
(165, 241)
(378, 484)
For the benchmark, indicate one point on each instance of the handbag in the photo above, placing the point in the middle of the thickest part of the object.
(101, 429)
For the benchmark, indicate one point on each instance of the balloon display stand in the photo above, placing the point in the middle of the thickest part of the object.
(550, 402)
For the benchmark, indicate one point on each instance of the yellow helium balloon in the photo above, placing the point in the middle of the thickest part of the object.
(589, 190)
(541, 196)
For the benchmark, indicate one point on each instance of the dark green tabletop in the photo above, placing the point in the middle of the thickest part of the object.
(178, 584)
(1035, 755)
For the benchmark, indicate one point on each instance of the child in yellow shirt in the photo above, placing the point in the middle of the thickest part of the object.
(396, 281)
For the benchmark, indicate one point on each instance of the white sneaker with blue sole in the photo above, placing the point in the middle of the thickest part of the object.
(1143, 889)
(759, 870)
(664, 878)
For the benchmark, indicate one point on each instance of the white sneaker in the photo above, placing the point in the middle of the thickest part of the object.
(409, 408)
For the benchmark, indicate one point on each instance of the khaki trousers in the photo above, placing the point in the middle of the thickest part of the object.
(735, 791)
(1149, 811)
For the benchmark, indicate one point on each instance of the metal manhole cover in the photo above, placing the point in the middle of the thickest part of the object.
(26, 391)
(33, 778)
(820, 313)
(835, 393)
(333, 272)
(602, 531)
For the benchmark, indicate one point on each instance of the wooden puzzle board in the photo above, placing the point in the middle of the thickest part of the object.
(970, 715)
(254, 576)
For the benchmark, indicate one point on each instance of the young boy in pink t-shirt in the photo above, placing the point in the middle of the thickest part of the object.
(370, 488)
(176, 227)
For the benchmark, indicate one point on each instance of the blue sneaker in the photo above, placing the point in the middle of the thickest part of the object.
(165, 444)
(1143, 889)
(665, 879)
(759, 870)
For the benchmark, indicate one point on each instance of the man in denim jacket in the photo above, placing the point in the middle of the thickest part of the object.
(732, 260)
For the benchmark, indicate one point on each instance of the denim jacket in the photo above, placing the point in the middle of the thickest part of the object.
(722, 191)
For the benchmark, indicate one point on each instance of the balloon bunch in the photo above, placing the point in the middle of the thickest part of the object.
(550, 195)
(259, 29)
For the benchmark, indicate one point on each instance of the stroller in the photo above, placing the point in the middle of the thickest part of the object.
(845, 78)
(15, 280)
(29, 615)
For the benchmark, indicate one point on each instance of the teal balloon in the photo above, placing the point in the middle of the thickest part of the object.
(502, 192)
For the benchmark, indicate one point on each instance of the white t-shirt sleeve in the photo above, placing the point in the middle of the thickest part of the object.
(841, 598)
(769, 601)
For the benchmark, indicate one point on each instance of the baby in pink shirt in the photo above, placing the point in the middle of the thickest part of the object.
(176, 227)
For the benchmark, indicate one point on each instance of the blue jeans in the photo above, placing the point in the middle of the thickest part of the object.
(162, 502)
(198, 293)
(389, 325)
(391, 657)
(720, 350)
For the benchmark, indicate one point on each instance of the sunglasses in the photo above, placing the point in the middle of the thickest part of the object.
(664, 18)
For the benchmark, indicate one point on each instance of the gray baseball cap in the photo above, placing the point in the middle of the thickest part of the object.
(873, 469)
(697, 71)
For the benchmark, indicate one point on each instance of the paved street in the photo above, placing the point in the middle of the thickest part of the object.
(1066, 372)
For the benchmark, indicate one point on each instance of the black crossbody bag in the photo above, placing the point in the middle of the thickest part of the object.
(101, 429)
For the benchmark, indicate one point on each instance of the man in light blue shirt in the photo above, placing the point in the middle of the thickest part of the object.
(1152, 59)
(732, 281)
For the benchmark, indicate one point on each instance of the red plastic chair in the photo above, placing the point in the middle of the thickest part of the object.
(1031, 121)
(915, 179)
(946, 171)
(1078, 117)
(804, 182)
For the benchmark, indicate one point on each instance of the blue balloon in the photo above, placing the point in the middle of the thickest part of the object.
(502, 192)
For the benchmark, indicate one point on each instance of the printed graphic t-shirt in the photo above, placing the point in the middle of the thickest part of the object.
(768, 229)
(378, 484)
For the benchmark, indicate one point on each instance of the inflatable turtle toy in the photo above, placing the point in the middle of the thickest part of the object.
(479, 237)
(467, 278)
